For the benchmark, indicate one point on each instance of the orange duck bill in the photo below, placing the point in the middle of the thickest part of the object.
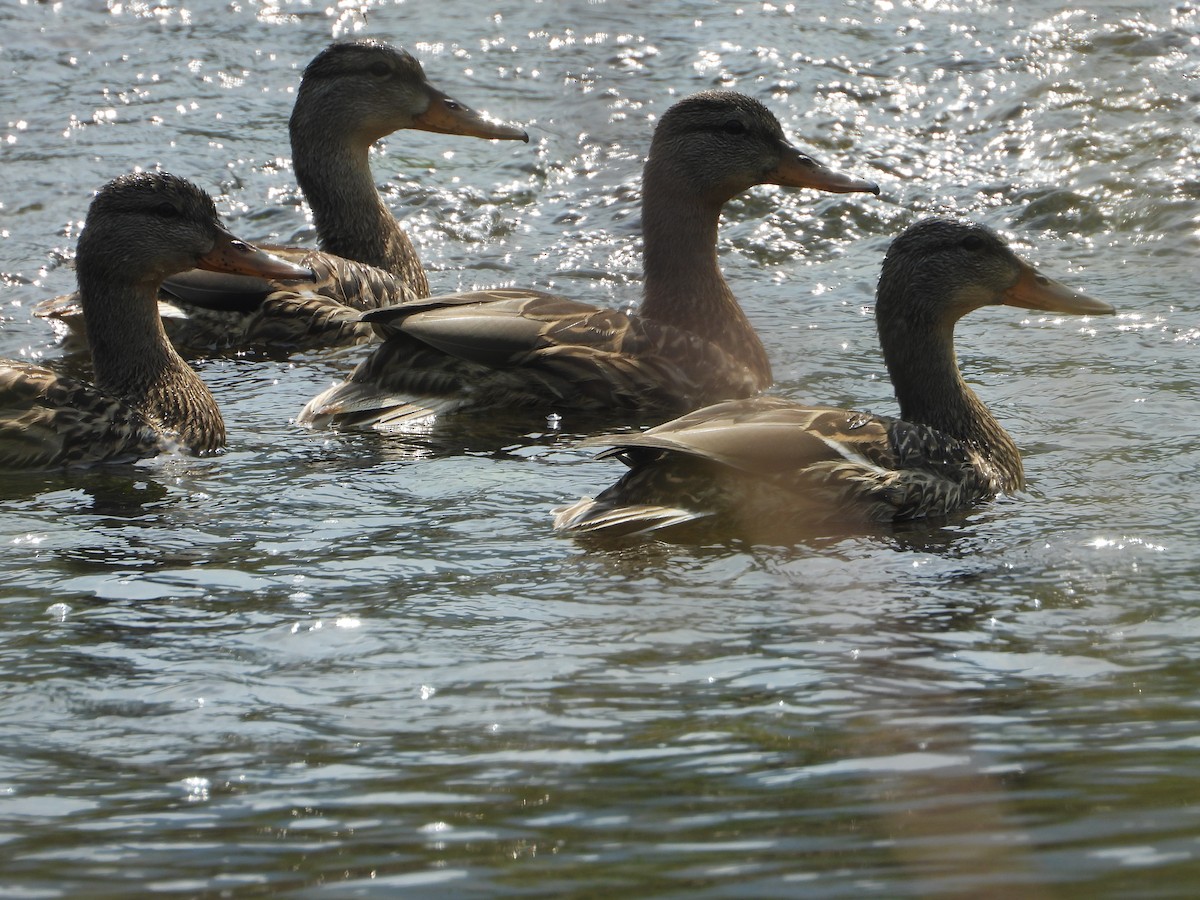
(798, 169)
(446, 115)
(233, 255)
(1034, 290)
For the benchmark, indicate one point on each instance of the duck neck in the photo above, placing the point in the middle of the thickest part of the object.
(931, 391)
(334, 172)
(135, 361)
(684, 286)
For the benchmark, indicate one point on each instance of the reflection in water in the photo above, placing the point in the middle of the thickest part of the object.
(119, 497)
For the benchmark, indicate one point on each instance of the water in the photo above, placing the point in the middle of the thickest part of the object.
(347, 666)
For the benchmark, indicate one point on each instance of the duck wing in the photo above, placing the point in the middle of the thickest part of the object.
(204, 310)
(50, 420)
(520, 348)
(766, 459)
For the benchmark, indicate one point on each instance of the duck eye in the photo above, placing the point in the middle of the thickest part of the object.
(166, 210)
(380, 69)
(972, 242)
(734, 126)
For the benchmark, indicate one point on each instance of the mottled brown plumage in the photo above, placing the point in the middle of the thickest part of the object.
(351, 95)
(220, 316)
(139, 229)
(691, 343)
(766, 467)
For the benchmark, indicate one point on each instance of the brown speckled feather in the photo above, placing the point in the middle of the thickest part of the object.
(690, 343)
(49, 420)
(509, 348)
(767, 459)
(768, 468)
(352, 94)
(139, 229)
(268, 314)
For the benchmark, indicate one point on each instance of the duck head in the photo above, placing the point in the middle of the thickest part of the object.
(940, 269)
(368, 89)
(722, 143)
(142, 227)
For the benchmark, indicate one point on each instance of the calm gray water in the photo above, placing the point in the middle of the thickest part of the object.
(325, 665)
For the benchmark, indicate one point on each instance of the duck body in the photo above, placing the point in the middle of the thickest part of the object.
(524, 349)
(48, 420)
(232, 312)
(139, 229)
(204, 311)
(351, 95)
(690, 342)
(743, 466)
(768, 467)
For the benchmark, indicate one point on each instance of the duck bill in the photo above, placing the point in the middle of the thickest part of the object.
(798, 169)
(446, 115)
(235, 256)
(1034, 290)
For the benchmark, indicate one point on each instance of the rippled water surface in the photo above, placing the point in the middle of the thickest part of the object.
(344, 665)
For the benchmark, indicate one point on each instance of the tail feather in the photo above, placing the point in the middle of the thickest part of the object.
(587, 516)
(61, 307)
(359, 405)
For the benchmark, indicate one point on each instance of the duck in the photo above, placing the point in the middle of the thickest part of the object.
(139, 229)
(764, 467)
(524, 349)
(351, 95)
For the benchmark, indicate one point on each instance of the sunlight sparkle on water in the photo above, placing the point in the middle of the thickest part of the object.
(933, 666)
(1121, 543)
(196, 788)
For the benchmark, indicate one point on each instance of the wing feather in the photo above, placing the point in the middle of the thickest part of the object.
(49, 420)
(205, 310)
(767, 463)
(510, 349)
